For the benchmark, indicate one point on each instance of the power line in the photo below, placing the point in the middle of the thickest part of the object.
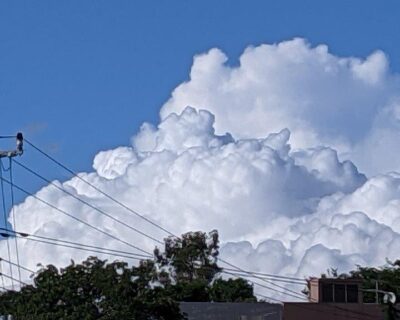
(98, 189)
(270, 275)
(264, 277)
(120, 203)
(83, 249)
(297, 296)
(14, 216)
(269, 280)
(5, 218)
(123, 205)
(27, 236)
(13, 279)
(4, 168)
(316, 310)
(269, 298)
(22, 267)
(112, 198)
(85, 202)
(255, 283)
(237, 268)
(257, 277)
(342, 309)
(73, 217)
(105, 194)
(1, 270)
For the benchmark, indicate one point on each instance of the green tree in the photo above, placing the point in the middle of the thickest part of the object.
(232, 290)
(191, 257)
(92, 290)
(386, 278)
(189, 271)
(188, 265)
(186, 270)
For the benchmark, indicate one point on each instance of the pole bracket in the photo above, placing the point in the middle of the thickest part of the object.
(19, 150)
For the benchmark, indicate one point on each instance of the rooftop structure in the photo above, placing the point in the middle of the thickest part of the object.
(328, 290)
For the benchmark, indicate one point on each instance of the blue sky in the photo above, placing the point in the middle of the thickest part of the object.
(77, 77)
(81, 76)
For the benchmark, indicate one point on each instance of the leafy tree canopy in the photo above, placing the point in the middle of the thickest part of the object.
(386, 279)
(186, 270)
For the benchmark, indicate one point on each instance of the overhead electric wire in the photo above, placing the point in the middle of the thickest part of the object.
(334, 307)
(4, 168)
(299, 305)
(125, 206)
(14, 217)
(85, 202)
(75, 218)
(1, 270)
(27, 236)
(267, 297)
(257, 294)
(98, 189)
(7, 137)
(22, 267)
(264, 277)
(148, 220)
(118, 202)
(5, 217)
(275, 285)
(259, 275)
(270, 275)
(297, 296)
(9, 277)
(81, 248)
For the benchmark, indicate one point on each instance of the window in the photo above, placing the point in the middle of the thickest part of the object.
(352, 293)
(340, 293)
(327, 292)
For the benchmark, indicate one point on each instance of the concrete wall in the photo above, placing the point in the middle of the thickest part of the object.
(231, 311)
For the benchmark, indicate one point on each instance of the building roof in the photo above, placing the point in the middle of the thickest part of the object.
(231, 310)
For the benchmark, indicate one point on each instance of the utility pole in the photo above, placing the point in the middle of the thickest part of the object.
(10, 154)
(18, 150)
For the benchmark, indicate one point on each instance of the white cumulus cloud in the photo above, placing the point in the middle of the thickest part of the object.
(268, 152)
(323, 99)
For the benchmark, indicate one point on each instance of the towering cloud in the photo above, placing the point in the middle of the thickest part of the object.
(350, 104)
(263, 152)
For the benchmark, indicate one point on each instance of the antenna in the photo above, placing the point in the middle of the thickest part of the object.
(19, 149)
